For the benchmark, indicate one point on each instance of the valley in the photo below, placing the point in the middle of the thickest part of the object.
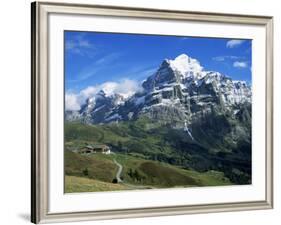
(146, 161)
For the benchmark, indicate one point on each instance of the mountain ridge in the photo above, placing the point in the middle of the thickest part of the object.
(178, 91)
(184, 115)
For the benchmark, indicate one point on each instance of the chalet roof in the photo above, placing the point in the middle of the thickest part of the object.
(96, 146)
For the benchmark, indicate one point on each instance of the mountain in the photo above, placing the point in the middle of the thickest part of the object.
(184, 115)
(180, 90)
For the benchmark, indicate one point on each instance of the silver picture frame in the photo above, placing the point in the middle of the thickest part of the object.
(40, 89)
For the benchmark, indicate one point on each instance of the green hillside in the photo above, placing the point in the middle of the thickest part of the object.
(90, 167)
(83, 184)
(99, 169)
(148, 140)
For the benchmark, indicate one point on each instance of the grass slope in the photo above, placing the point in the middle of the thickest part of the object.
(137, 173)
(81, 184)
(145, 139)
(90, 167)
(148, 172)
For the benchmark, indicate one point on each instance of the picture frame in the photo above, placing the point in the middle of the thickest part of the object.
(42, 82)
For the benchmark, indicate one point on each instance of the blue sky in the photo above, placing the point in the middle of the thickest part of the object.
(93, 58)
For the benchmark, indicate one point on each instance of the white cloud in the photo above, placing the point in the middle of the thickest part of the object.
(96, 67)
(238, 64)
(89, 91)
(225, 57)
(107, 58)
(233, 43)
(146, 72)
(71, 102)
(79, 45)
(125, 87)
(219, 58)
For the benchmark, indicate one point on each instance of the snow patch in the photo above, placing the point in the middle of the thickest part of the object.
(140, 100)
(114, 117)
(186, 129)
(187, 66)
(99, 108)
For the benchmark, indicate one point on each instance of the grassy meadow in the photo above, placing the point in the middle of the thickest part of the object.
(148, 159)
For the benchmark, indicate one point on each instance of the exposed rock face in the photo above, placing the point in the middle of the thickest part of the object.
(204, 116)
(180, 90)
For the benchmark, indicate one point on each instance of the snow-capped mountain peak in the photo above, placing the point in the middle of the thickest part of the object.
(179, 90)
(179, 70)
(186, 65)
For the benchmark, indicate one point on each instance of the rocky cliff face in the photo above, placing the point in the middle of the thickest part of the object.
(179, 91)
(203, 116)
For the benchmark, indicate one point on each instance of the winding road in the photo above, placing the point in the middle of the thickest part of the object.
(119, 171)
(119, 180)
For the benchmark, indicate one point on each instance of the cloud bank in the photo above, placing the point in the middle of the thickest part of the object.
(126, 88)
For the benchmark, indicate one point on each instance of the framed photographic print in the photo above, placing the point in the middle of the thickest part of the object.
(147, 112)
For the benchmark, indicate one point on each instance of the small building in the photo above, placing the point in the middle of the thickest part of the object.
(88, 149)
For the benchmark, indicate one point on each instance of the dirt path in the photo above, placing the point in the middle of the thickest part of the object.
(119, 171)
(119, 180)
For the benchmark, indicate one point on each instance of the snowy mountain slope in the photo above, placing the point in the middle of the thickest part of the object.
(180, 90)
